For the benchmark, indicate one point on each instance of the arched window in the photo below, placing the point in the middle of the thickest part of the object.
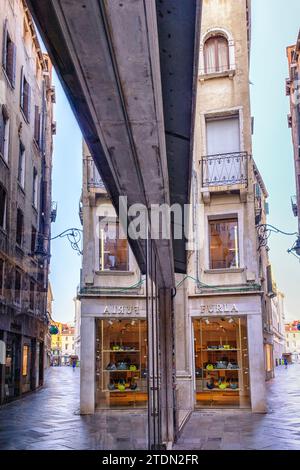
(216, 54)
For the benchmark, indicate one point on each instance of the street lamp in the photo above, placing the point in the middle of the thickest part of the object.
(265, 230)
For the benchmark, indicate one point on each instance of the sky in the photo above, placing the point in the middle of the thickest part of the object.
(274, 26)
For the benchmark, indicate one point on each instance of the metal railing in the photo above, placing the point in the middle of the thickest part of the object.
(225, 169)
(94, 178)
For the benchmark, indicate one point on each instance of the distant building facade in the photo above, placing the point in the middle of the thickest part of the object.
(293, 91)
(63, 344)
(292, 334)
(26, 135)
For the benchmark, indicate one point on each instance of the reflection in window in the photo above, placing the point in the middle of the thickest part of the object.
(113, 249)
(224, 252)
(216, 54)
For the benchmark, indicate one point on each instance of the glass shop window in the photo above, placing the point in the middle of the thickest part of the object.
(25, 360)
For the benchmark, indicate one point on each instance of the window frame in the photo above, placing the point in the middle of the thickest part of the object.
(22, 165)
(25, 92)
(9, 66)
(224, 219)
(116, 222)
(20, 241)
(5, 134)
(32, 295)
(35, 188)
(3, 225)
(18, 297)
(2, 276)
(216, 49)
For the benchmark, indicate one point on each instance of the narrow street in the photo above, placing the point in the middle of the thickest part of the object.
(49, 419)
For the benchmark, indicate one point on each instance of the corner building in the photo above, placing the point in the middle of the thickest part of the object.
(219, 357)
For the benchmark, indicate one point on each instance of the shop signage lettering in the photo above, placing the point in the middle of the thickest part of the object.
(218, 308)
(121, 309)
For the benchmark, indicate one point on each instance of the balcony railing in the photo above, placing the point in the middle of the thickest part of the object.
(294, 205)
(94, 178)
(228, 169)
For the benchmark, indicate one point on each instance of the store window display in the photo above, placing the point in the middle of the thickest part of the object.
(221, 362)
(121, 363)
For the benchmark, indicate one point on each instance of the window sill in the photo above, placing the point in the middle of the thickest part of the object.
(224, 271)
(114, 273)
(209, 76)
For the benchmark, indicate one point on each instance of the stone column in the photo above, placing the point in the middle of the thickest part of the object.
(183, 357)
(166, 329)
(256, 364)
(87, 365)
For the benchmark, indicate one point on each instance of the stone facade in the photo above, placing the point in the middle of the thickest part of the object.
(26, 130)
(292, 90)
(228, 283)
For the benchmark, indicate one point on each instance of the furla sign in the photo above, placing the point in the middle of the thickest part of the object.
(225, 309)
(121, 310)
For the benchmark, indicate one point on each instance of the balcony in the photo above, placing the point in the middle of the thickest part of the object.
(224, 172)
(94, 178)
(294, 205)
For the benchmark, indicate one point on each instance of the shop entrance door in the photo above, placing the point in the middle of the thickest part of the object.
(12, 367)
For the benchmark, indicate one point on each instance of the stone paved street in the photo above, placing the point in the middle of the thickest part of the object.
(49, 419)
(241, 430)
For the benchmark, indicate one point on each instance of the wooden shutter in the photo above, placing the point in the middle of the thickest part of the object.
(36, 123)
(1, 130)
(28, 109)
(14, 66)
(22, 88)
(4, 44)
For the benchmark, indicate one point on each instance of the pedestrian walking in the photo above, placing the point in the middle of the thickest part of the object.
(285, 363)
(74, 364)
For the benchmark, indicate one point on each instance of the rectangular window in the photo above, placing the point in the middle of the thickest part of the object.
(25, 360)
(224, 247)
(9, 56)
(31, 295)
(25, 96)
(4, 133)
(66, 347)
(18, 286)
(22, 163)
(33, 240)
(223, 135)
(2, 276)
(20, 227)
(37, 125)
(3, 203)
(35, 188)
(113, 249)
